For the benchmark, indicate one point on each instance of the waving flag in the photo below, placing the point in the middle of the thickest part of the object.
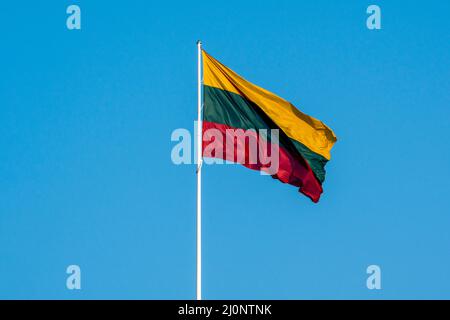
(304, 144)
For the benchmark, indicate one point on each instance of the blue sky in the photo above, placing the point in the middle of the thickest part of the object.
(86, 176)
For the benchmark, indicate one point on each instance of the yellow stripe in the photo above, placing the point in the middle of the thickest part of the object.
(309, 131)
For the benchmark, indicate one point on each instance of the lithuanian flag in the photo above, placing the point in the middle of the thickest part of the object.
(304, 143)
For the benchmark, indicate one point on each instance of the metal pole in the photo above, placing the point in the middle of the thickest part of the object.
(199, 175)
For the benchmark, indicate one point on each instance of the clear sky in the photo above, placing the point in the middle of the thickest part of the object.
(86, 176)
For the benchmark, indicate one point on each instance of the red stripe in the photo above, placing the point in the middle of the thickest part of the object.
(292, 169)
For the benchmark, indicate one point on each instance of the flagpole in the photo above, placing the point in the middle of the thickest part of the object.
(199, 173)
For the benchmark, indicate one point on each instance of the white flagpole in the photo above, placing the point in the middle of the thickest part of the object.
(199, 174)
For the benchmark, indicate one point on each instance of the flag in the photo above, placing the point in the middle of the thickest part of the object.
(303, 143)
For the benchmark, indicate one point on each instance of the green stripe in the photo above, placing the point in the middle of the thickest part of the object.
(228, 108)
(315, 161)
